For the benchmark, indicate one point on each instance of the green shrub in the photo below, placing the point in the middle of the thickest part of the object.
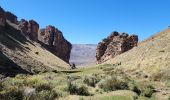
(44, 86)
(44, 95)
(1, 86)
(99, 91)
(148, 91)
(79, 89)
(134, 87)
(91, 80)
(12, 93)
(112, 83)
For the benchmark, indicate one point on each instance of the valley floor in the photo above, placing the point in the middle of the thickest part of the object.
(101, 82)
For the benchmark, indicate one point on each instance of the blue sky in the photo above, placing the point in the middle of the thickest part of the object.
(89, 21)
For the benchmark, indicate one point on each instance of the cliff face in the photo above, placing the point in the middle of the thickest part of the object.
(113, 45)
(29, 29)
(50, 37)
(2, 18)
(55, 42)
(11, 17)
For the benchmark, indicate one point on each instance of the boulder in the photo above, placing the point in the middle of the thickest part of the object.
(56, 43)
(11, 17)
(2, 18)
(115, 44)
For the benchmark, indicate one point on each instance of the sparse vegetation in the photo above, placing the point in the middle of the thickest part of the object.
(91, 80)
(112, 83)
(77, 88)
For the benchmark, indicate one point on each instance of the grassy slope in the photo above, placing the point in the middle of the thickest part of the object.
(150, 56)
(22, 51)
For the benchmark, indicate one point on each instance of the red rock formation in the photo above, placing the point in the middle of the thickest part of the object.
(29, 29)
(50, 37)
(2, 18)
(33, 28)
(57, 44)
(11, 17)
(115, 44)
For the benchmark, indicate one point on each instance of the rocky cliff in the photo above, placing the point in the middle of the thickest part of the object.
(55, 42)
(50, 37)
(22, 52)
(29, 29)
(2, 18)
(11, 17)
(115, 44)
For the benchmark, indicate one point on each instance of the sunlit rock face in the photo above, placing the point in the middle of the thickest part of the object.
(115, 44)
(55, 42)
(29, 28)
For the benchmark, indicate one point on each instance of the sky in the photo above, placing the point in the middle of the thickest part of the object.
(89, 21)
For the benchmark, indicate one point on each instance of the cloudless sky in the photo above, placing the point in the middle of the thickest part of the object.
(89, 21)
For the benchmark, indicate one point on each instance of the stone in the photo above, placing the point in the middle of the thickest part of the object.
(115, 44)
(11, 17)
(55, 41)
(29, 29)
(2, 18)
(23, 26)
(33, 28)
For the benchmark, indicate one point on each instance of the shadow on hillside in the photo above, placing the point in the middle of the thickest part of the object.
(10, 37)
(47, 47)
(9, 68)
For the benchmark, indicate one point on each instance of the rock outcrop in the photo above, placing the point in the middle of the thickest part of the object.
(55, 42)
(29, 28)
(115, 44)
(11, 17)
(2, 18)
(51, 38)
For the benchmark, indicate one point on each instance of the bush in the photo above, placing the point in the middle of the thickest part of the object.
(43, 95)
(44, 86)
(1, 86)
(91, 80)
(79, 89)
(112, 83)
(12, 93)
(134, 87)
(148, 91)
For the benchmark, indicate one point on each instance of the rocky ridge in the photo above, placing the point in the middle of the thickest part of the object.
(115, 44)
(50, 37)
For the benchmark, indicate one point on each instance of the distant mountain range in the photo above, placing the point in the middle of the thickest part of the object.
(83, 54)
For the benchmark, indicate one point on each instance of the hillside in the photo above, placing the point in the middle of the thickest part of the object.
(83, 54)
(150, 56)
(18, 52)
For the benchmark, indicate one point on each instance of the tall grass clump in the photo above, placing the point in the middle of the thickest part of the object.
(112, 83)
(78, 88)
